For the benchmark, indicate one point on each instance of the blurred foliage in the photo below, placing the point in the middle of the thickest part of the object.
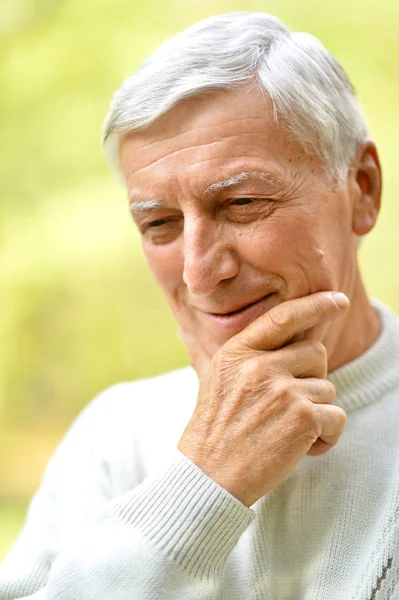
(11, 516)
(78, 308)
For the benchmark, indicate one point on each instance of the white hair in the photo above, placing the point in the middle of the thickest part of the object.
(309, 89)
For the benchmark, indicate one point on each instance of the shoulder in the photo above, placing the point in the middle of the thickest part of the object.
(165, 393)
(136, 422)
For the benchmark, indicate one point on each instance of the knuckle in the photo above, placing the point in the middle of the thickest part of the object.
(284, 395)
(331, 392)
(320, 305)
(318, 349)
(279, 389)
(304, 415)
(250, 368)
(281, 319)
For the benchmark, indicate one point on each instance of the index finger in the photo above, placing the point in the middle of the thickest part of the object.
(277, 326)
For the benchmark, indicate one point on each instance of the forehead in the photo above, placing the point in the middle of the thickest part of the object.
(212, 137)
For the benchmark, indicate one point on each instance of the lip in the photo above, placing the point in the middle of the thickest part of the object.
(233, 322)
(237, 308)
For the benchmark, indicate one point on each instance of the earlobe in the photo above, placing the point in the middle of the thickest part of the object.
(367, 184)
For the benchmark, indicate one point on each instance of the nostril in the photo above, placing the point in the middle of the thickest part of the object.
(205, 267)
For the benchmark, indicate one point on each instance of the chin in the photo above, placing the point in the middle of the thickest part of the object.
(212, 345)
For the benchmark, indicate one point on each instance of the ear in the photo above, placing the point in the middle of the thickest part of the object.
(365, 186)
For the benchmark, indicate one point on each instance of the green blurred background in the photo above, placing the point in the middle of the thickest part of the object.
(78, 310)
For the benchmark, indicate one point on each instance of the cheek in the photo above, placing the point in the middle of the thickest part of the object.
(166, 265)
(276, 244)
(295, 250)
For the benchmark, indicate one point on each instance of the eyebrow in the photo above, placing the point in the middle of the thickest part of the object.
(243, 176)
(140, 207)
(137, 208)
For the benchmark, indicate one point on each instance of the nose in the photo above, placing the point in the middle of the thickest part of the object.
(209, 255)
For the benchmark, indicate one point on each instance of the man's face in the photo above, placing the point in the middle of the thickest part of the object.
(235, 217)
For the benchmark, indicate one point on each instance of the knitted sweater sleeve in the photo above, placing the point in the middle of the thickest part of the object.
(168, 537)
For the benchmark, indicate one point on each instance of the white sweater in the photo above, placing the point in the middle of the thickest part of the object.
(123, 515)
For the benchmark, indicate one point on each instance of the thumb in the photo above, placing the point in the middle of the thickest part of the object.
(199, 358)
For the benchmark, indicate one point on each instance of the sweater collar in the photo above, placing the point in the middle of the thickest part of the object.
(373, 374)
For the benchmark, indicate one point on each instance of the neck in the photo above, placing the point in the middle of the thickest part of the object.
(350, 336)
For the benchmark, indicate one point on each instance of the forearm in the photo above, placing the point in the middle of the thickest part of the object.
(169, 537)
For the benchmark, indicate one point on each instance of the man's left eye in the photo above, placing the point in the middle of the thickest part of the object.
(242, 201)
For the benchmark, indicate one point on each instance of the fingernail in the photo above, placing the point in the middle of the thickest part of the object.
(339, 299)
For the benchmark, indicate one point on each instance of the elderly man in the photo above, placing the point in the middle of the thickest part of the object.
(274, 474)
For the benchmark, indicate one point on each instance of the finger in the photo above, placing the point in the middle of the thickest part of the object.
(199, 359)
(318, 391)
(301, 359)
(332, 420)
(319, 447)
(277, 326)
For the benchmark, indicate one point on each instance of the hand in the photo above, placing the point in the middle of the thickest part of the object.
(263, 401)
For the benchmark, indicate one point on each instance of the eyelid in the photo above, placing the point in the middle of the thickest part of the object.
(150, 224)
(249, 198)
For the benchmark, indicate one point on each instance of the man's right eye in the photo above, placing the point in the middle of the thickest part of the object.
(156, 223)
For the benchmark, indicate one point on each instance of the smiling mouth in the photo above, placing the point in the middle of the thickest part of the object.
(242, 308)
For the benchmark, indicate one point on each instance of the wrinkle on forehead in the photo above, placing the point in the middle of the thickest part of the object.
(159, 132)
(157, 152)
(212, 144)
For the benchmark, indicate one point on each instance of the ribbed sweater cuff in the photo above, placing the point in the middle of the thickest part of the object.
(187, 515)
